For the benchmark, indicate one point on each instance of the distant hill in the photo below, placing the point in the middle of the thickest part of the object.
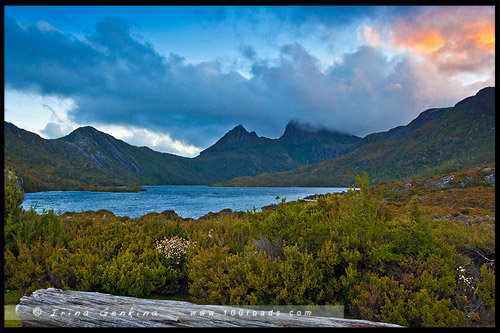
(437, 141)
(89, 157)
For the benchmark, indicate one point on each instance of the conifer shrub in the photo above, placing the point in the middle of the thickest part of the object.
(13, 196)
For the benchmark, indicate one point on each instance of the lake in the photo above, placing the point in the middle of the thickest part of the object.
(186, 201)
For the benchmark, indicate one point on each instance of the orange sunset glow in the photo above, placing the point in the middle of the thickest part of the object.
(486, 38)
(426, 41)
(458, 41)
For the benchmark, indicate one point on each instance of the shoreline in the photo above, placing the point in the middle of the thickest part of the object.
(97, 188)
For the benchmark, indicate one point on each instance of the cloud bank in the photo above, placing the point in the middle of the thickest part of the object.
(115, 77)
(453, 39)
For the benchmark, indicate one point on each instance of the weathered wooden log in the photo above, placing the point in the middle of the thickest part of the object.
(57, 308)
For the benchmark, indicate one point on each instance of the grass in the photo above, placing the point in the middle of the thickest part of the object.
(11, 299)
(11, 319)
(466, 194)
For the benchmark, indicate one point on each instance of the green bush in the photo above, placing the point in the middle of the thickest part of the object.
(49, 226)
(13, 196)
(252, 277)
(131, 275)
(486, 289)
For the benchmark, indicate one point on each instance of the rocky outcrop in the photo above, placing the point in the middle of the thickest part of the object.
(490, 178)
(443, 182)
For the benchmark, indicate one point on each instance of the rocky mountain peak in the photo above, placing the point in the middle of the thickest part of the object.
(299, 133)
(296, 132)
(237, 134)
(83, 132)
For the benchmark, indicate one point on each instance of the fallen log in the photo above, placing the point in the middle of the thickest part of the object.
(57, 308)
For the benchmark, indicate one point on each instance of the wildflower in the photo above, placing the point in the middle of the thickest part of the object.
(174, 248)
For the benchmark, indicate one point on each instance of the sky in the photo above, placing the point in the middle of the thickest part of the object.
(177, 78)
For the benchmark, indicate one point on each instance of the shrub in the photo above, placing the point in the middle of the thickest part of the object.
(49, 226)
(13, 196)
(174, 248)
(486, 289)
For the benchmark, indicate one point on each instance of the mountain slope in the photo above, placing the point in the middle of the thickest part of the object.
(437, 141)
(85, 157)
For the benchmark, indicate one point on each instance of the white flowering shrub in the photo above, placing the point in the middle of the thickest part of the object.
(174, 248)
(466, 281)
(467, 296)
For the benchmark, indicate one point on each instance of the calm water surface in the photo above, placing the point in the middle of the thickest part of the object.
(186, 201)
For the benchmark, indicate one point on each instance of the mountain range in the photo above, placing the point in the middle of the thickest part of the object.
(89, 157)
(438, 140)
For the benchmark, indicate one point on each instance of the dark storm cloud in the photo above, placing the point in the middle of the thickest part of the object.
(48, 60)
(116, 78)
